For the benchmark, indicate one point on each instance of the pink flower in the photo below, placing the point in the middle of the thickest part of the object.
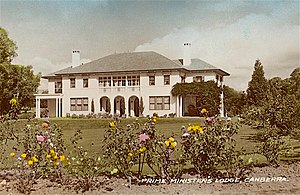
(143, 137)
(40, 138)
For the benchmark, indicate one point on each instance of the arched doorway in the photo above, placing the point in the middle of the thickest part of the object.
(105, 104)
(133, 108)
(119, 105)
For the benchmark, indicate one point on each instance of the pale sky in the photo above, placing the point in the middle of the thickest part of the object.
(230, 35)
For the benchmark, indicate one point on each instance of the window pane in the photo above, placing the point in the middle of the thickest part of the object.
(152, 107)
(152, 100)
(159, 100)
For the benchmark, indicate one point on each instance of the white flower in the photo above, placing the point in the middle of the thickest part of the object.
(51, 144)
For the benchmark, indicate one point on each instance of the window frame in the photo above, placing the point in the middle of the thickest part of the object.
(58, 89)
(151, 80)
(167, 79)
(159, 103)
(104, 81)
(79, 104)
(72, 85)
(85, 83)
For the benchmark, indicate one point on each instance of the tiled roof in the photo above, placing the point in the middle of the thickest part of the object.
(136, 61)
(126, 62)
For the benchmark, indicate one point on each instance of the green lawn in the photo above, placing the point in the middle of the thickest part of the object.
(94, 129)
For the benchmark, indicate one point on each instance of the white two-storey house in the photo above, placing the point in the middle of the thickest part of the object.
(119, 82)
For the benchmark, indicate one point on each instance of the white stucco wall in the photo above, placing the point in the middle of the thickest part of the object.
(94, 92)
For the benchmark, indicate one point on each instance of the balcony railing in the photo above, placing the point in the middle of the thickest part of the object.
(120, 89)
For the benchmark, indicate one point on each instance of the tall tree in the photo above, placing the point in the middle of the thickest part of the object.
(16, 81)
(7, 47)
(256, 92)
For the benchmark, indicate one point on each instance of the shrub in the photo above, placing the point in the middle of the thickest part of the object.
(271, 145)
(209, 146)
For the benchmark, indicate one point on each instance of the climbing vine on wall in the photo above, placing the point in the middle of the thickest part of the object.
(208, 94)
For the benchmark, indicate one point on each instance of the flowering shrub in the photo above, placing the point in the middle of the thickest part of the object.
(210, 146)
(139, 145)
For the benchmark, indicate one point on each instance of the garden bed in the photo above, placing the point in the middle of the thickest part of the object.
(121, 186)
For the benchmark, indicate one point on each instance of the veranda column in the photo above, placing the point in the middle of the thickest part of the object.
(177, 106)
(62, 108)
(112, 106)
(180, 106)
(56, 107)
(222, 104)
(126, 107)
(222, 100)
(59, 107)
(37, 108)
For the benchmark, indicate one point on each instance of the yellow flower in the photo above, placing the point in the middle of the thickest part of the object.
(55, 157)
(52, 152)
(170, 143)
(30, 163)
(130, 155)
(112, 124)
(203, 111)
(154, 119)
(12, 154)
(13, 102)
(62, 157)
(23, 155)
(34, 159)
(48, 156)
(200, 129)
(142, 149)
(195, 128)
(173, 145)
(171, 139)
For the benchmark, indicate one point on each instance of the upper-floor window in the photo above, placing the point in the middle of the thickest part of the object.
(104, 81)
(58, 87)
(197, 78)
(182, 79)
(79, 104)
(151, 80)
(85, 83)
(133, 80)
(72, 83)
(166, 79)
(119, 81)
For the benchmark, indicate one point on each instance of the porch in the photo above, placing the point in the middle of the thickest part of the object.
(54, 104)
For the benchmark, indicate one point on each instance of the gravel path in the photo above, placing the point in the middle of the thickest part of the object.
(284, 179)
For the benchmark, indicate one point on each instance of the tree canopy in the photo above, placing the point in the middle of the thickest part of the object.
(7, 47)
(234, 101)
(256, 91)
(16, 81)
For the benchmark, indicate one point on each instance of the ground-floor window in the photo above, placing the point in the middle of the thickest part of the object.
(79, 104)
(159, 102)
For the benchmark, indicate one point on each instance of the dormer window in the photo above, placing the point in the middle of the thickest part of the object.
(85, 83)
